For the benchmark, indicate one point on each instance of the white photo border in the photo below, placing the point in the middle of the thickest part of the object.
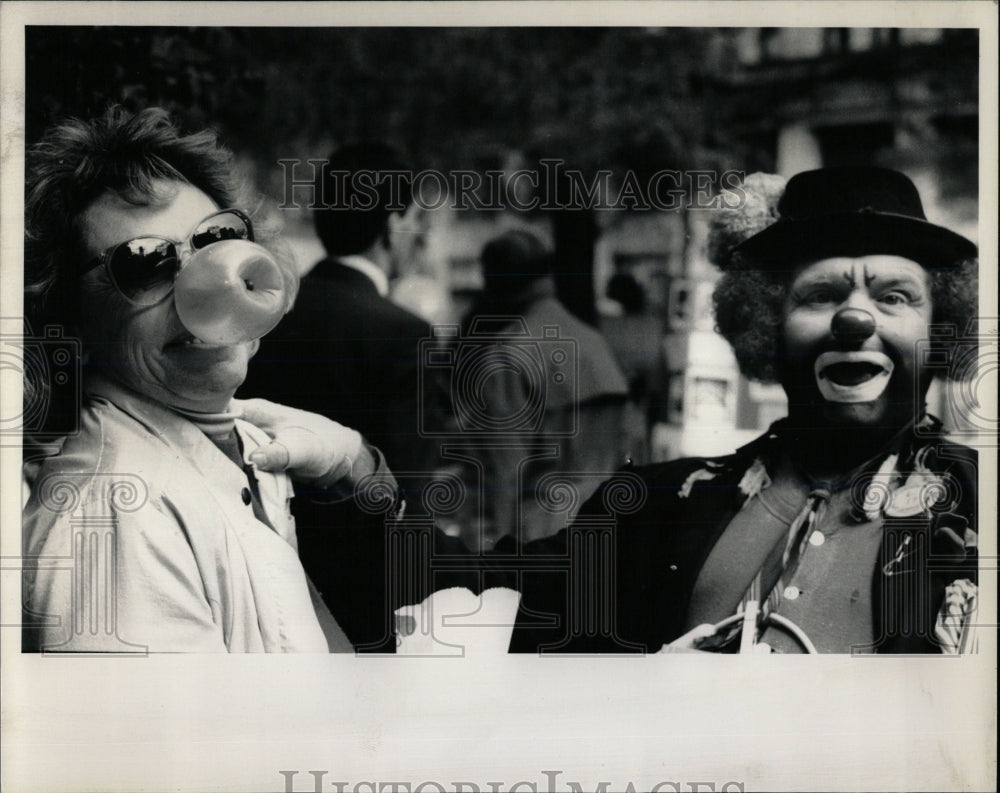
(236, 723)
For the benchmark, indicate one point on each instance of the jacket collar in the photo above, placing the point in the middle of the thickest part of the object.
(517, 301)
(358, 269)
(905, 443)
(160, 421)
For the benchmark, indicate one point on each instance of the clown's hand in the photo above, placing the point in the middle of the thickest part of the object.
(689, 641)
(310, 448)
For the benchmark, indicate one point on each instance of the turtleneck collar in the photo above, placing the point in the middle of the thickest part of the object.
(214, 425)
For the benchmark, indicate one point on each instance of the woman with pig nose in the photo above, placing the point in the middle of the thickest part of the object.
(156, 528)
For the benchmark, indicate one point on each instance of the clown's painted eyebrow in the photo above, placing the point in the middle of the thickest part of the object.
(852, 278)
(827, 278)
(894, 278)
(868, 278)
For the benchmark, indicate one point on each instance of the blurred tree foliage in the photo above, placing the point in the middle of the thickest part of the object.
(642, 99)
(451, 97)
(635, 99)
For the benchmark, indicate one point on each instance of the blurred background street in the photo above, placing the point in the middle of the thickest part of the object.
(615, 101)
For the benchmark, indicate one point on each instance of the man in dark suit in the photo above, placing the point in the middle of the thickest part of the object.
(346, 351)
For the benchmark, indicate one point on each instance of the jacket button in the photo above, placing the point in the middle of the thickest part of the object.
(246, 496)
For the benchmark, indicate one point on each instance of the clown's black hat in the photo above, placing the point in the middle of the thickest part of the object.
(853, 211)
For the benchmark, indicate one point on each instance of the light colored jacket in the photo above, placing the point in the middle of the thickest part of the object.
(140, 537)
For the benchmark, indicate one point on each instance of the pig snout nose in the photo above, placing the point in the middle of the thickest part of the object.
(852, 325)
(230, 292)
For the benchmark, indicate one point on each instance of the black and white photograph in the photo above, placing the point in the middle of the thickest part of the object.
(495, 397)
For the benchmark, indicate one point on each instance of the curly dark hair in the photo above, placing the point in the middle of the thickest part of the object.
(77, 161)
(749, 299)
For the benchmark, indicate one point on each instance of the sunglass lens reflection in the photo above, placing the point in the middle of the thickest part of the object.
(144, 268)
(225, 226)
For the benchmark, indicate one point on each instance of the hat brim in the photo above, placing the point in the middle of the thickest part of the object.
(792, 242)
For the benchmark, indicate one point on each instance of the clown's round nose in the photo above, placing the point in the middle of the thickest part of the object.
(852, 325)
(230, 292)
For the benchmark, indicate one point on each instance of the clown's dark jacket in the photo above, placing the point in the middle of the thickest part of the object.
(620, 578)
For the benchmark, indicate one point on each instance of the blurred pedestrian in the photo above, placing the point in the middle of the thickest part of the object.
(636, 338)
(347, 350)
(573, 408)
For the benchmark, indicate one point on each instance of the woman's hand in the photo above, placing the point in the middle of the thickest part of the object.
(309, 447)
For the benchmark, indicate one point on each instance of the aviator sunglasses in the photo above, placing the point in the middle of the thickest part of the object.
(143, 269)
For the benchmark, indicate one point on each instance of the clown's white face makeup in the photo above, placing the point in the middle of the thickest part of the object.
(851, 328)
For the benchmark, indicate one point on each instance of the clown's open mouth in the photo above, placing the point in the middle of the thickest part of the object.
(851, 373)
(852, 376)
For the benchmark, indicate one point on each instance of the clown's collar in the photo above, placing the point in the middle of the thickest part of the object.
(812, 455)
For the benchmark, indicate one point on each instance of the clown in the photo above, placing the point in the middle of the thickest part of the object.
(850, 525)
